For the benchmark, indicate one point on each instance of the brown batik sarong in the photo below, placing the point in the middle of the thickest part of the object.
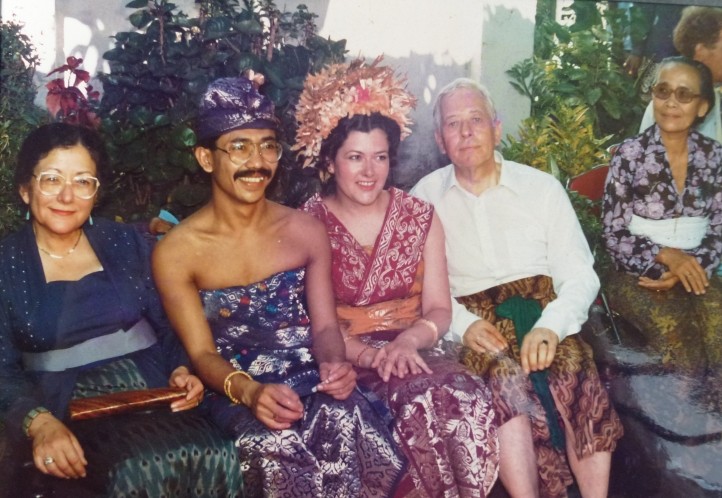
(582, 403)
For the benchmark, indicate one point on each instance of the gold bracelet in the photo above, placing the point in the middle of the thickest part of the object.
(227, 385)
(431, 325)
(358, 358)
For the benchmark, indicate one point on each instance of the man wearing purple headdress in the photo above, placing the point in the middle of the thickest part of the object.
(247, 286)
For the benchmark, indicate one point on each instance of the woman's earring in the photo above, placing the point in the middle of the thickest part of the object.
(27, 215)
(91, 220)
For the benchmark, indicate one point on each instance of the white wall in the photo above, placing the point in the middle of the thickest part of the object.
(431, 41)
(79, 28)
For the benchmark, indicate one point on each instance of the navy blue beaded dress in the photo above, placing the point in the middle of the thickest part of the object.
(156, 453)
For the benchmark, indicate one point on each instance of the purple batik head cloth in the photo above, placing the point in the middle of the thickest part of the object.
(234, 103)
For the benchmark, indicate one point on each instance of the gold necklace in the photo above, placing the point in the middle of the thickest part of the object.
(58, 256)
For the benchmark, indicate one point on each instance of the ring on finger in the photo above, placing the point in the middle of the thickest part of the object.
(545, 342)
(48, 460)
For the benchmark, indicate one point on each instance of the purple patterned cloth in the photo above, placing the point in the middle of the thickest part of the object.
(340, 448)
(640, 183)
(443, 421)
(231, 104)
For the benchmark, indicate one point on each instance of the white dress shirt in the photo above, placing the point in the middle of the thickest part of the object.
(522, 227)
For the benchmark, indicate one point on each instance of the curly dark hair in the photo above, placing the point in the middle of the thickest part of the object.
(365, 124)
(46, 138)
(697, 25)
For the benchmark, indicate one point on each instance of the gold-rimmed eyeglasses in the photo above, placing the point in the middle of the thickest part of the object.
(240, 151)
(684, 95)
(83, 186)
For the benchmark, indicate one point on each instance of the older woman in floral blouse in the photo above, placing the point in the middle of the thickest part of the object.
(663, 227)
(663, 199)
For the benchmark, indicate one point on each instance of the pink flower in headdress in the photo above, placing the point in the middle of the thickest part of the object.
(362, 94)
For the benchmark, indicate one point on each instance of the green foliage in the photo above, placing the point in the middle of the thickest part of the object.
(581, 65)
(158, 72)
(562, 143)
(18, 114)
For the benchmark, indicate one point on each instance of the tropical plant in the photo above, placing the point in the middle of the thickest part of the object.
(158, 72)
(562, 143)
(581, 65)
(18, 114)
(71, 99)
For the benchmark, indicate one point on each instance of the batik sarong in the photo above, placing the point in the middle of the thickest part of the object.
(664, 374)
(581, 401)
(339, 448)
(443, 421)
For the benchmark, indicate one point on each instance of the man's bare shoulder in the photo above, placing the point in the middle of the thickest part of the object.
(184, 236)
(302, 225)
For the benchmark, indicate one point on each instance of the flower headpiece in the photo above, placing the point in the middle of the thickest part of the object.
(344, 90)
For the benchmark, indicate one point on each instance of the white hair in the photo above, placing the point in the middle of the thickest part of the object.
(463, 84)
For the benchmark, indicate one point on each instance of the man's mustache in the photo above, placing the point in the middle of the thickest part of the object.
(253, 172)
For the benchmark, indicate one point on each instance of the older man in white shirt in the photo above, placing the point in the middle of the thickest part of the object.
(515, 248)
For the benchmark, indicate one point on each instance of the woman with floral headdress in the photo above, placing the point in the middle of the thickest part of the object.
(390, 280)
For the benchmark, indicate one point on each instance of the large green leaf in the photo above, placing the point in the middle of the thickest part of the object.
(140, 18)
(593, 95)
(161, 120)
(141, 116)
(113, 54)
(612, 107)
(218, 27)
(274, 73)
(183, 138)
(128, 135)
(249, 27)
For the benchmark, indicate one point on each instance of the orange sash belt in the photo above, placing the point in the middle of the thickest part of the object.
(397, 314)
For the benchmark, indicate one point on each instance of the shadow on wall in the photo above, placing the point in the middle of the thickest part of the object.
(80, 31)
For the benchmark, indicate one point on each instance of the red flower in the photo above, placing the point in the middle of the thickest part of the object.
(362, 94)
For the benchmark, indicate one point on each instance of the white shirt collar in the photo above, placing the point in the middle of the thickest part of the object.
(508, 177)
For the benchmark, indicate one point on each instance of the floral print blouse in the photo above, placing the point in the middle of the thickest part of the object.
(640, 182)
